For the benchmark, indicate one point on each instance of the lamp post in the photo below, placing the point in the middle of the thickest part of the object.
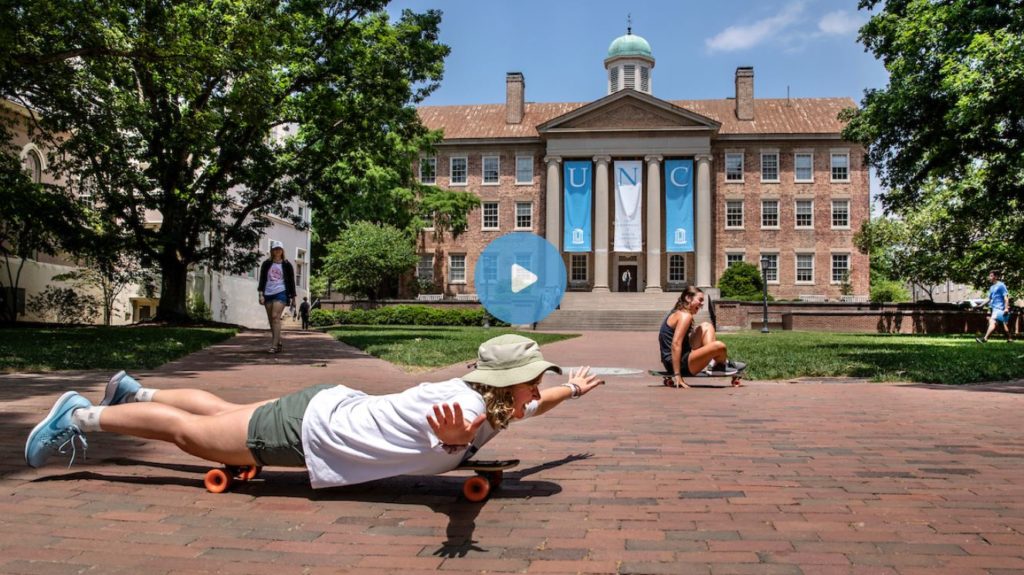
(764, 285)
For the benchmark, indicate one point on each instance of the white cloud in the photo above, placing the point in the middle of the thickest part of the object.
(839, 23)
(747, 36)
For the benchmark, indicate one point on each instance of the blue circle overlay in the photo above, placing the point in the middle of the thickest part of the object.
(520, 278)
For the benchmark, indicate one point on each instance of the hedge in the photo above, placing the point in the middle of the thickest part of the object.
(402, 315)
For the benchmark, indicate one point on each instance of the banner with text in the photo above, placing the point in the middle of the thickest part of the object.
(578, 198)
(629, 186)
(679, 206)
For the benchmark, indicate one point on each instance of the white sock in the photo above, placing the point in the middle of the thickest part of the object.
(88, 418)
(145, 394)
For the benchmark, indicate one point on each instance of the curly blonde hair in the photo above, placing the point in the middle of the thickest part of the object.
(498, 402)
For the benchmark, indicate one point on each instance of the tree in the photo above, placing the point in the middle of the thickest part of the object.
(447, 214)
(949, 128)
(109, 275)
(216, 114)
(742, 281)
(367, 259)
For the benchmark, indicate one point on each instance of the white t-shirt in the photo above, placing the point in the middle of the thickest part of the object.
(351, 437)
(275, 280)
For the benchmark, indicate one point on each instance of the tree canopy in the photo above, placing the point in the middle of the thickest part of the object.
(368, 259)
(218, 114)
(947, 133)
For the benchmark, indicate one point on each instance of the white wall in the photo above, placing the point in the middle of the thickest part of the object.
(36, 276)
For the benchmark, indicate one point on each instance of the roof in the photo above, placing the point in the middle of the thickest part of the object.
(629, 45)
(772, 116)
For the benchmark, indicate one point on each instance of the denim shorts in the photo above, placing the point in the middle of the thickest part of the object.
(275, 429)
(279, 296)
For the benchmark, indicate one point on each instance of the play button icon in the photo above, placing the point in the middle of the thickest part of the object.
(520, 278)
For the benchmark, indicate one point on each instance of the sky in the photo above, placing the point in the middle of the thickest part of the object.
(807, 48)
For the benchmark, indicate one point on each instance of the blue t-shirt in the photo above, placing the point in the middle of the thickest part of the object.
(997, 295)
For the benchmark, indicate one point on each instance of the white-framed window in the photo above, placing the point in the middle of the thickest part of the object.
(300, 267)
(490, 268)
(805, 214)
(524, 215)
(459, 166)
(734, 166)
(490, 215)
(732, 259)
(840, 268)
(734, 214)
(578, 268)
(32, 162)
(770, 263)
(805, 268)
(841, 214)
(425, 267)
(491, 170)
(301, 212)
(524, 169)
(769, 213)
(770, 166)
(428, 169)
(803, 167)
(457, 268)
(840, 166)
(676, 268)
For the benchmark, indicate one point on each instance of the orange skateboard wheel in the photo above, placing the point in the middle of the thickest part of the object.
(217, 480)
(476, 488)
(249, 472)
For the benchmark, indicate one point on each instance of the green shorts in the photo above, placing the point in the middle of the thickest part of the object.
(275, 429)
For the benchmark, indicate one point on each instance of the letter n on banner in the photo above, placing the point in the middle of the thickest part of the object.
(578, 197)
(679, 206)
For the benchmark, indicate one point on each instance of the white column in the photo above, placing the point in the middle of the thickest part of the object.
(601, 223)
(704, 223)
(653, 224)
(552, 211)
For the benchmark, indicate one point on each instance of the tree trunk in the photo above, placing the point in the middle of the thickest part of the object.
(173, 289)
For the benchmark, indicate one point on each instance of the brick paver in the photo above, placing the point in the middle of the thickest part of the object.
(775, 477)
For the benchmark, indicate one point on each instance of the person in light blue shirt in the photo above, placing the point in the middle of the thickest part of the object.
(999, 300)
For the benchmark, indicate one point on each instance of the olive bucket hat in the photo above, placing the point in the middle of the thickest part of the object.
(507, 360)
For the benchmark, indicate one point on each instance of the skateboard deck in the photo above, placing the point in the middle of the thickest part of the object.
(488, 477)
(666, 377)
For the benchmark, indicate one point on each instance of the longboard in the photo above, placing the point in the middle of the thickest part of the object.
(488, 477)
(666, 377)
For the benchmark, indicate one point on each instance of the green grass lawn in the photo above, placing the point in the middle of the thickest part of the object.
(879, 357)
(418, 347)
(44, 349)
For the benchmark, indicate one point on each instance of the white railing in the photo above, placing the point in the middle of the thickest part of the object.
(812, 298)
(429, 297)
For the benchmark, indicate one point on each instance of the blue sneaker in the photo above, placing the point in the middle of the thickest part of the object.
(55, 432)
(120, 389)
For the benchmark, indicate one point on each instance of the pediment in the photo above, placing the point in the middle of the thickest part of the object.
(628, 110)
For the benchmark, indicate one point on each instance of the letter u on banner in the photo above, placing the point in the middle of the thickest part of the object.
(578, 177)
(679, 206)
(629, 185)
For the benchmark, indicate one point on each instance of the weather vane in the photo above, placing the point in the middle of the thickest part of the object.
(629, 23)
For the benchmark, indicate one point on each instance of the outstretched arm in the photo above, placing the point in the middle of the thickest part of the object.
(552, 396)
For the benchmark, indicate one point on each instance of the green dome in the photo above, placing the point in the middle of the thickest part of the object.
(630, 45)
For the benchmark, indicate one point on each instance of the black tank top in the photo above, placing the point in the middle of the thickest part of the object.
(665, 339)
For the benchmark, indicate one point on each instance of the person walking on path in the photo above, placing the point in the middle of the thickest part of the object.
(999, 300)
(686, 350)
(276, 290)
(304, 313)
(340, 435)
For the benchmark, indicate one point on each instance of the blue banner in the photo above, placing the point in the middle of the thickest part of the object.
(679, 206)
(578, 178)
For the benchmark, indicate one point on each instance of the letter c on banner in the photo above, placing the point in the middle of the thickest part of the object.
(572, 177)
(672, 176)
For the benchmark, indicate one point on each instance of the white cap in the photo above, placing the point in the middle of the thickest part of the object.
(276, 244)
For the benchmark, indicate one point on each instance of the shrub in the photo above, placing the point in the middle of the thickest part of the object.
(402, 315)
(883, 291)
(197, 309)
(741, 281)
(367, 259)
(64, 305)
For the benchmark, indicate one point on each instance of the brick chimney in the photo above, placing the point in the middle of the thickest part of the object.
(745, 93)
(515, 92)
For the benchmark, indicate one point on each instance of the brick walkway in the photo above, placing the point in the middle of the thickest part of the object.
(782, 478)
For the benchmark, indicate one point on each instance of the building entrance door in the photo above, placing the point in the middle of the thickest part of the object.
(627, 278)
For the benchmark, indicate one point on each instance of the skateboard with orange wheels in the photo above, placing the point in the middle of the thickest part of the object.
(666, 377)
(220, 480)
(488, 477)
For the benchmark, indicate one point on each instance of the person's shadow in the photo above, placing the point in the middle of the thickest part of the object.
(415, 489)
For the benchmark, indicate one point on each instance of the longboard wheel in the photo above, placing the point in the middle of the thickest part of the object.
(249, 472)
(217, 480)
(476, 488)
(736, 382)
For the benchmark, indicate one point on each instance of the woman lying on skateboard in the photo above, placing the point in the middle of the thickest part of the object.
(341, 435)
(686, 350)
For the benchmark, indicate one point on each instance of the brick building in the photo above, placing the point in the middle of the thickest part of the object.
(652, 192)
